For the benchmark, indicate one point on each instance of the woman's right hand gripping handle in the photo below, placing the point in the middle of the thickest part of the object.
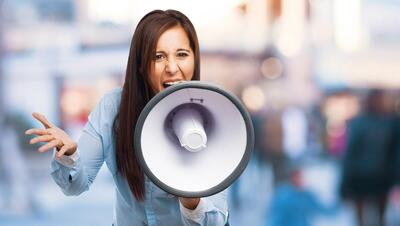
(53, 136)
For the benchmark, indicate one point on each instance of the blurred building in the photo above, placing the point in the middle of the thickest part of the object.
(271, 53)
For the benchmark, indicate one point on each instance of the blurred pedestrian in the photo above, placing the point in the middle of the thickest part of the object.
(293, 204)
(368, 161)
(394, 197)
(396, 168)
(18, 192)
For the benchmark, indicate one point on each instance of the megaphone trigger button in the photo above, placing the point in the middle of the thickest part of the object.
(197, 100)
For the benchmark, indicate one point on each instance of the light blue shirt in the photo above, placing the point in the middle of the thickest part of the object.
(96, 146)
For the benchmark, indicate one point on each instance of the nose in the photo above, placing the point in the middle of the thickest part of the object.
(172, 66)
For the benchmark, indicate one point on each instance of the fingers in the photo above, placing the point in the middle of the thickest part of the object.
(37, 132)
(190, 203)
(44, 138)
(55, 137)
(62, 151)
(41, 118)
(51, 144)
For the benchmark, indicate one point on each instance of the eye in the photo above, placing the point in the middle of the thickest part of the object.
(182, 54)
(159, 56)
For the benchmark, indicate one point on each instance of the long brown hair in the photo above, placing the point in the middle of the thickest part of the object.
(137, 92)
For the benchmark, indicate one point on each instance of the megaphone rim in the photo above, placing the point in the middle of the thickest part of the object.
(236, 172)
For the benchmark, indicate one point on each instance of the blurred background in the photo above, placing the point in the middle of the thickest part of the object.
(307, 70)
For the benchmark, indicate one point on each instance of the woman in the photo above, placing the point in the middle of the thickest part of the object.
(164, 50)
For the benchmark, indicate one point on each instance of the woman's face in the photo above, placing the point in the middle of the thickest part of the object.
(173, 61)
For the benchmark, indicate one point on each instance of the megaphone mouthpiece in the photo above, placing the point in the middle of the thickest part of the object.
(187, 124)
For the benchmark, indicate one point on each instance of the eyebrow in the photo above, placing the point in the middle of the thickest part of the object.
(187, 50)
(180, 49)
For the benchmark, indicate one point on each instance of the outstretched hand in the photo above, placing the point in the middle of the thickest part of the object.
(53, 136)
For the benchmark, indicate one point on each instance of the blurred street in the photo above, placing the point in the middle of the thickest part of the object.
(319, 78)
(52, 207)
(95, 207)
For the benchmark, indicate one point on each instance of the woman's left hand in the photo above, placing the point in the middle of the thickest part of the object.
(189, 203)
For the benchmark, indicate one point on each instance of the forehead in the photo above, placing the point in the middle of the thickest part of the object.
(173, 38)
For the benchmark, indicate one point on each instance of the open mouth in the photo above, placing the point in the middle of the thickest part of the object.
(168, 84)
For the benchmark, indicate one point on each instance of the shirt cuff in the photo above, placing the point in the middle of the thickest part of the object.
(197, 213)
(67, 160)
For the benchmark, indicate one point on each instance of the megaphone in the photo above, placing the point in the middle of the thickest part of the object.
(193, 139)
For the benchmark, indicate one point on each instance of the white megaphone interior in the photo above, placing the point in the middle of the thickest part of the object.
(189, 171)
(187, 124)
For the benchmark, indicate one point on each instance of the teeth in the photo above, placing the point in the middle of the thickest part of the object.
(173, 83)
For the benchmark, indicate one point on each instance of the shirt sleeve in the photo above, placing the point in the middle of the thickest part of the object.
(211, 210)
(75, 174)
(66, 160)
